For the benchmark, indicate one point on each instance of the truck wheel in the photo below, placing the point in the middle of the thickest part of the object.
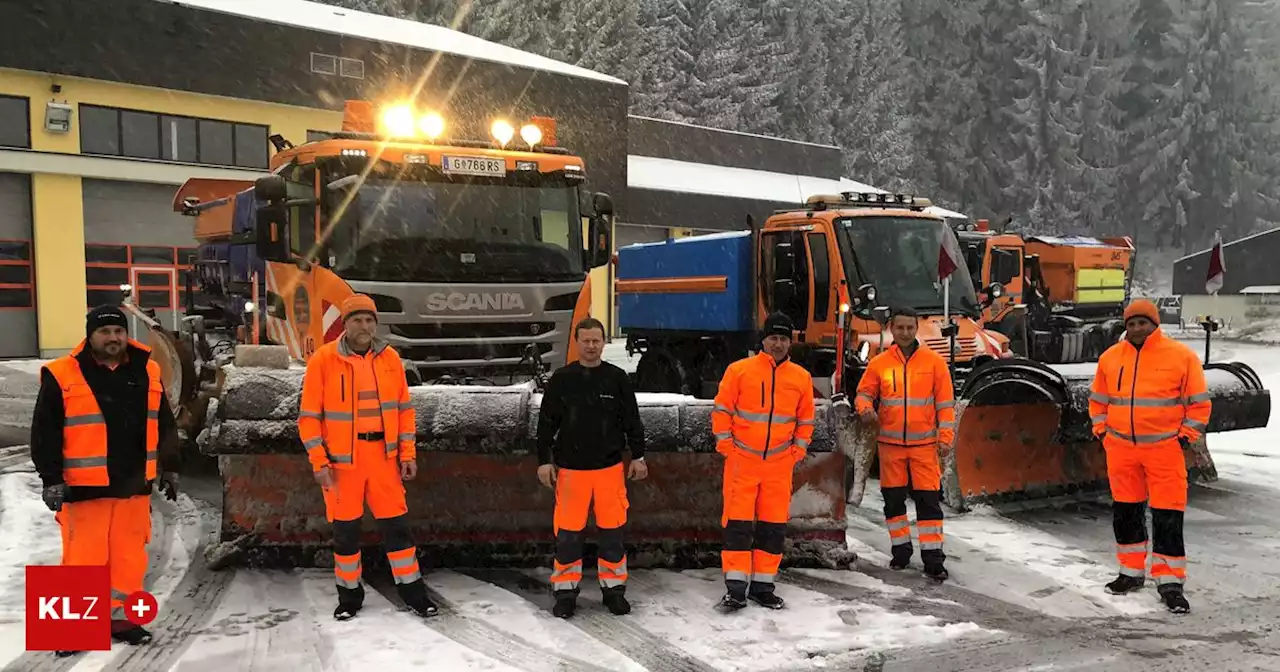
(659, 372)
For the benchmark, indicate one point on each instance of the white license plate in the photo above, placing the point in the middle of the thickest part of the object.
(474, 165)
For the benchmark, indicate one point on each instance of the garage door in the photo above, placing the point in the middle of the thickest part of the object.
(133, 236)
(18, 335)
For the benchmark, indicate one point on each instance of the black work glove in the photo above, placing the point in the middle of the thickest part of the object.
(53, 496)
(1184, 442)
(169, 485)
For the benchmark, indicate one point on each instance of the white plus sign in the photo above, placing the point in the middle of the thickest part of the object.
(141, 608)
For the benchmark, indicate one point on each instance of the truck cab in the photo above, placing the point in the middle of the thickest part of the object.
(834, 266)
(474, 252)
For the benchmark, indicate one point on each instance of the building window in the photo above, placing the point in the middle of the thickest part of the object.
(352, 68)
(15, 275)
(155, 271)
(324, 64)
(15, 122)
(146, 135)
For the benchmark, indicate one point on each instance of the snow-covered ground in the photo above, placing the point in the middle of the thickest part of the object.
(1025, 594)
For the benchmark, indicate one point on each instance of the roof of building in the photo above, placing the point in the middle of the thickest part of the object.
(647, 172)
(732, 132)
(1234, 242)
(342, 21)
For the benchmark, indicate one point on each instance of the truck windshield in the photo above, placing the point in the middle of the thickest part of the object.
(481, 229)
(899, 255)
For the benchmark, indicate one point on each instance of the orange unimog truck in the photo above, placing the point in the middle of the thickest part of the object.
(1073, 288)
(690, 306)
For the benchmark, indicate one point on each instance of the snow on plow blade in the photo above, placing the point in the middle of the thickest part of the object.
(1024, 435)
(477, 501)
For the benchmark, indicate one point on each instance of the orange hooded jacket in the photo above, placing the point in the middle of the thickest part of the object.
(917, 401)
(1149, 395)
(764, 410)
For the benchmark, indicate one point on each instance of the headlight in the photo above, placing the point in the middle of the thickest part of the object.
(431, 125)
(871, 294)
(249, 306)
(398, 120)
(531, 134)
(502, 132)
(844, 307)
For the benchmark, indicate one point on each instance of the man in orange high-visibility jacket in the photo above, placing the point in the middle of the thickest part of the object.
(763, 423)
(1148, 402)
(358, 427)
(101, 434)
(912, 386)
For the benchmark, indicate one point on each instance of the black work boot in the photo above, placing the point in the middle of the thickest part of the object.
(416, 598)
(900, 558)
(936, 571)
(615, 598)
(566, 603)
(764, 596)
(1173, 598)
(65, 654)
(734, 599)
(350, 600)
(133, 635)
(1124, 584)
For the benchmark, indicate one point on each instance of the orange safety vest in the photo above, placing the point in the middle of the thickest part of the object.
(84, 431)
(1150, 395)
(327, 414)
(764, 409)
(917, 401)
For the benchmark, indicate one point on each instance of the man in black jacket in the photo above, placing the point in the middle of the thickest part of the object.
(588, 416)
(101, 436)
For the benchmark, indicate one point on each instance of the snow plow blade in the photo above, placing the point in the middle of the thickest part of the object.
(476, 501)
(1023, 433)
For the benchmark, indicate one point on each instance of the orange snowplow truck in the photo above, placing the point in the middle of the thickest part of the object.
(1073, 290)
(690, 306)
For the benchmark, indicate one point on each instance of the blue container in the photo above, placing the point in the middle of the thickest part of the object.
(725, 255)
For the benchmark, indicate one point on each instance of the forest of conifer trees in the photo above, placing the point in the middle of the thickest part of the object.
(1151, 118)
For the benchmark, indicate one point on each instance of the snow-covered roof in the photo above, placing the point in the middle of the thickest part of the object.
(1261, 289)
(655, 174)
(731, 132)
(342, 21)
(1226, 244)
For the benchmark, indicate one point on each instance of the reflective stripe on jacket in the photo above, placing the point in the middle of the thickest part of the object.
(764, 409)
(326, 417)
(917, 401)
(84, 432)
(1149, 395)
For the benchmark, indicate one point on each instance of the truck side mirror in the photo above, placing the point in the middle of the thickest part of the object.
(867, 295)
(600, 242)
(881, 315)
(602, 203)
(270, 188)
(272, 217)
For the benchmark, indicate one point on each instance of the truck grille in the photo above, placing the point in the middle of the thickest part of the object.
(468, 351)
(472, 330)
(966, 348)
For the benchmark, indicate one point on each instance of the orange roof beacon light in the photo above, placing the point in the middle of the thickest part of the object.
(431, 125)
(531, 134)
(548, 127)
(358, 117)
(984, 225)
(398, 122)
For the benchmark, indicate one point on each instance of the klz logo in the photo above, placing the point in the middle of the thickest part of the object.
(68, 608)
(474, 301)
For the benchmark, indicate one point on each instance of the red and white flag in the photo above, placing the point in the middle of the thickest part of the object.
(1217, 267)
(949, 256)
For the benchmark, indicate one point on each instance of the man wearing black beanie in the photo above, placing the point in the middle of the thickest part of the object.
(101, 436)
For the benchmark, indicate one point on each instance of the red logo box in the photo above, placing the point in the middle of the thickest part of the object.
(68, 608)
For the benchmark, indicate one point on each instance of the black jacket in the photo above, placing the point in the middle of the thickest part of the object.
(122, 394)
(588, 416)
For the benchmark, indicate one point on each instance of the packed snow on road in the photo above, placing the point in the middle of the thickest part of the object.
(1025, 592)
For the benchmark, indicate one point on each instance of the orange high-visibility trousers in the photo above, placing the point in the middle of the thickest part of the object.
(914, 470)
(757, 506)
(1158, 474)
(604, 493)
(112, 532)
(375, 481)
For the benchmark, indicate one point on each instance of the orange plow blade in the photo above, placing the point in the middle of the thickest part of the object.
(477, 501)
(1024, 436)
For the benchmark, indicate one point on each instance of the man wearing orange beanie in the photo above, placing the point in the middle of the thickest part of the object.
(357, 424)
(1148, 402)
